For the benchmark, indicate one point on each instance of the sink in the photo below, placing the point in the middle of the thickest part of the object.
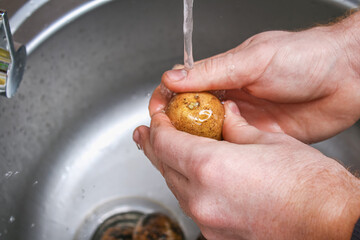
(67, 159)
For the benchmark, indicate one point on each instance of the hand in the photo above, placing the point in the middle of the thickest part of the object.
(253, 185)
(305, 84)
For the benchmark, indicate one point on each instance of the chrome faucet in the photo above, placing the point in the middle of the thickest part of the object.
(12, 59)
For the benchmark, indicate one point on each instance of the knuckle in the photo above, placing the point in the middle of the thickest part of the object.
(157, 142)
(203, 174)
(210, 66)
(156, 120)
(199, 211)
(157, 133)
(203, 213)
(185, 207)
(204, 170)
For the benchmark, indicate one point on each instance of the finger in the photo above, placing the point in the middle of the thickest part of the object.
(161, 96)
(237, 130)
(197, 79)
(258, 112)
(236, 68)
(177, 183)
(141, 137)
(176, 149)
(159, 99)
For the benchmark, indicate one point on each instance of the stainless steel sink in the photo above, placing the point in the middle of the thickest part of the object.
(67, 160)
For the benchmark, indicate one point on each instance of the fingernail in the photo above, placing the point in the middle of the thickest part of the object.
(176, 74)
(165, 91)
(136, 138)
(178, 66)
(233, 108)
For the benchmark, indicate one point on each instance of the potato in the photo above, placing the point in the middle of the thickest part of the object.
(200, 114)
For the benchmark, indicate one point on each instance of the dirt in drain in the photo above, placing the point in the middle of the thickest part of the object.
(139, 226)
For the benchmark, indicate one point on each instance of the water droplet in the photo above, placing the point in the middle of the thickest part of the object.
(8, 174)
(12, 219)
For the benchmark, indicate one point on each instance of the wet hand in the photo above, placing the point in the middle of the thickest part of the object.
(253, 185)
(305, 84)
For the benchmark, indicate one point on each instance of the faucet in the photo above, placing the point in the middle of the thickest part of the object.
(12, 59)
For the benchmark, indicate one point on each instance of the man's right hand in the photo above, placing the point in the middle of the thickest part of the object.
(306, 84)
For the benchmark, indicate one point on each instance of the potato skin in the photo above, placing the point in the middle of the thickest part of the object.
(200, 114)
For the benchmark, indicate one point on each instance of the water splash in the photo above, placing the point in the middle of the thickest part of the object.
(9, 174)
(188, 30)
(12, 219)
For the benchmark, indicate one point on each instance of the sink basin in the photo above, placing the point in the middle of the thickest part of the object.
(67, 159)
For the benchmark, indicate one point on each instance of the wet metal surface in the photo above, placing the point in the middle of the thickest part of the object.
(65, 137)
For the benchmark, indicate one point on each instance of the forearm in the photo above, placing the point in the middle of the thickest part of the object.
(348, 210)
(347, 35)
(339, 207)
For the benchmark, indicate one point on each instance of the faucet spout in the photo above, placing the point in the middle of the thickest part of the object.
(12, 59)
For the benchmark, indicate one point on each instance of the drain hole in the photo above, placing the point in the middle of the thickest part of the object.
(118, 227)
(139, 226)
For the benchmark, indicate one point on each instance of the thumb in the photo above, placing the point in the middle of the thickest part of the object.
(223, 71)
(237, 130)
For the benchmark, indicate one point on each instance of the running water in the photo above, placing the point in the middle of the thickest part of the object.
(188, 30)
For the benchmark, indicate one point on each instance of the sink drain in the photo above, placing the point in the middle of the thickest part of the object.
(118, 227)
(139, 226)
(133, 218)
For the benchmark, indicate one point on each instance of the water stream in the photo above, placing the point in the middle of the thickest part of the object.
(188, 30)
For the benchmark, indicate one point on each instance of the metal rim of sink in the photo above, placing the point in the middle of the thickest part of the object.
(20, 17)
(62, 22)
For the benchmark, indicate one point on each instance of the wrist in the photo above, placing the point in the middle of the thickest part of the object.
(332, 204)
(352, 209)
(346, 36)
(329, 207)
(341, 213)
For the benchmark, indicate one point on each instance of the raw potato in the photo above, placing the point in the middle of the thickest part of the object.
(200, 114)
